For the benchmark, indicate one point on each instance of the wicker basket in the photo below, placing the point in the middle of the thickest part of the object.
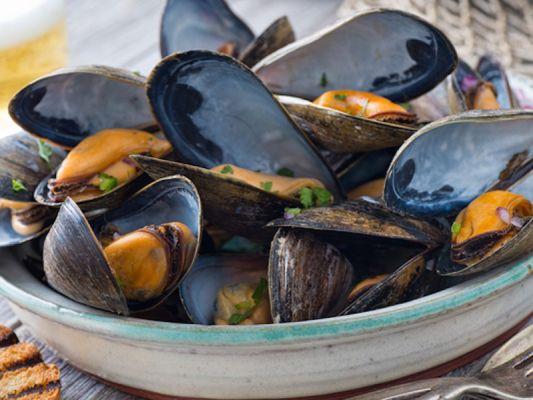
(476, 27)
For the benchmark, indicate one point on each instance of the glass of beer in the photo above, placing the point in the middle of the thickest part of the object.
(32, 43)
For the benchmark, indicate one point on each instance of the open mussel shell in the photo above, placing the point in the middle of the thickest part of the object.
(463, 79)
(214, 111)
(365, 219)
(231, 204)
(308, 277)
(449, 162)
(72, 103)
(20, 161)
(212, 25)
(415, 278)
(210, 273)
(344, 133)
(492, 71)
(388, 52)
(201, 25)
(107, 200)
(74, 261)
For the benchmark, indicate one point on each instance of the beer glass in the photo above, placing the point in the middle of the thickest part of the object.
(32, 43)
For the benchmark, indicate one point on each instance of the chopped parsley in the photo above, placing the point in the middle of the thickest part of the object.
(285, 172)
(137, 73)
(45, 151)
(292, 212)
(247, 307)
(18, 186)
(227, 170)
(314, 197)
(340, 96)
(456, 228)
(107, 182)
(323, 80)
(266, 186)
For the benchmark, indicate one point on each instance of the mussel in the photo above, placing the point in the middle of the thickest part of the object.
(212, 25)
(130, 258)
(220, 288)
(494, 228)
(239, 200)
(314, 272)
(449, 162)
(387, 52)
(24, 161)
(72, 103)
(493, 72)
(98, 172)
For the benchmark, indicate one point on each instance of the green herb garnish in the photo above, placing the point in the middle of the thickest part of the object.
(306, 197)
(456, 228)
(340, 97)
(247, 307)
(285, 172)
(107, 182)
(322, 196)
(292, 212)
(138, 73)
(266, 186)
(323, 80)
(18, 186)
(45, 151)
(227, 170)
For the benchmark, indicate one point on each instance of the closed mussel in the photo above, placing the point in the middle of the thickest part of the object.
(323, 260)
(130, 258)
(24, 161)
(212, 25)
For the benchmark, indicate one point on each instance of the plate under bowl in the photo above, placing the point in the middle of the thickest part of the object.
(274, 361)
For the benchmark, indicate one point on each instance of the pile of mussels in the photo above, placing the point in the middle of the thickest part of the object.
(260, 179)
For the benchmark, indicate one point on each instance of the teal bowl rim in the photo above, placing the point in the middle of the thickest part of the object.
(128, 328)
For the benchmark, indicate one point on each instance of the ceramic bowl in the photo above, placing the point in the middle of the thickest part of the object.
(437, 332)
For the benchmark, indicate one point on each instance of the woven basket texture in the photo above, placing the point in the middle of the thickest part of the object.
(476, 27)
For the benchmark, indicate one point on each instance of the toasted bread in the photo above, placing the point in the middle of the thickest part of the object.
(23, 375)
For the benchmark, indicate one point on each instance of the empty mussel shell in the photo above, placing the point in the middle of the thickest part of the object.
(309, 278)
(388, 52)
(215, 111)
(212, 25)
(73, 103)
(74, 261)
(449, 162)
(21, 169)
(198, 289)
(344, 133)
(231, 204)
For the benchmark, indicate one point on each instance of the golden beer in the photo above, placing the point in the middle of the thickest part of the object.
(32, 43)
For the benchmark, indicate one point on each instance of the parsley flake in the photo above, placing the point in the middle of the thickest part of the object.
(315, 197)
(306, 197)
(227, 170)
(285, 172)
(107, 182)
(340, 96)
(456, 228)
(45, 151)
(259, 291)
(292, 212)
(247, 307)
(137, 73)
(266, 186)
(323, 80)
(18, 186)
(322, 196)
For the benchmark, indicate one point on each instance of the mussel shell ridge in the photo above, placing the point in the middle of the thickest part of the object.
(388, 52)
(198, 289)
(214, 111)
(73, 103)
(228, 203)
(91, 281)
(448, 163)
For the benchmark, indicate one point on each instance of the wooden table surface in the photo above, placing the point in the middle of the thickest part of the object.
(124, 33)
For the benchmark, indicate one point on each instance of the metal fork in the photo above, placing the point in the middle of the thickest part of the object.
(507, 375)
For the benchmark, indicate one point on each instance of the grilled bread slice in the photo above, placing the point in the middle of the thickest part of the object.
(23, 375)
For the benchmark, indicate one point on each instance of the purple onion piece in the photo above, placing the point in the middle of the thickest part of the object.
(518, 222)
(504, 215)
